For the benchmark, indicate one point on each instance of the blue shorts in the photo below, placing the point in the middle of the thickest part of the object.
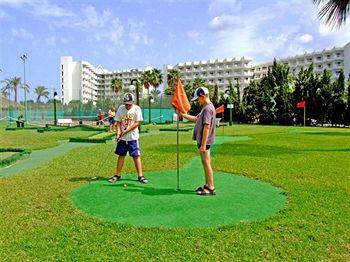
(111, 120)
(206, 148)
(124, 147)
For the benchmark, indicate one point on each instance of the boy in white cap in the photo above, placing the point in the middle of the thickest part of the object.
(204, 134)
(128, 118)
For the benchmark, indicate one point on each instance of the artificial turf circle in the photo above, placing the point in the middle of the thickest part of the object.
(159, 204)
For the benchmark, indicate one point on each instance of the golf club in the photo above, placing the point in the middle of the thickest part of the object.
(97, 169)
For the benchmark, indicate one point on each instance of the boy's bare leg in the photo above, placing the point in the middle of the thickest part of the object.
(120, 164)
(203, 163)
(205, 157)
(138, 165)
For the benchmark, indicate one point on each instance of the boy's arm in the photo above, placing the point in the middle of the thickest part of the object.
(130, 128)
(205, 134)
(189, 117)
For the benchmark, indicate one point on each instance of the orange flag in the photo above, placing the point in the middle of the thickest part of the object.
(179, 100)
(301, 104)
(220, 109)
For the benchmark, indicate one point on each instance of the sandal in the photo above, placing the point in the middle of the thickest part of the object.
(114, 178)
(201, 188)
(142, 180)
(207, 192)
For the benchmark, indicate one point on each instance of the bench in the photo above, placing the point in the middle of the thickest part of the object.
(62, 121)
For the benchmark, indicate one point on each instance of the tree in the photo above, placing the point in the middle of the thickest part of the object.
(338, 100)
(347, 114)
(116, 85)
(333, 11)
(12, 84)
(41, 91)
(324, 95)
(147, 79)
(173, 77)
(215, 96)
(304, 91)
(266, 104)
(249, 101)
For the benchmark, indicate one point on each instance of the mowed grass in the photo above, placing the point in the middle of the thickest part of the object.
(31, 139)
(38, 220)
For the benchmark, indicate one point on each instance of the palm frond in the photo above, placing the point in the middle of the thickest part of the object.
(334, 11)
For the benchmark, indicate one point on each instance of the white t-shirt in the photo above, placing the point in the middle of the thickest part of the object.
(128, 118)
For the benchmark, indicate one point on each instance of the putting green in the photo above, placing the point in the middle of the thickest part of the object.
(158, 204)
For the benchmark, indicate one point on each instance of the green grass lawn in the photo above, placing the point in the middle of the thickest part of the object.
(38, 220)
(31, 139)
(4, 155)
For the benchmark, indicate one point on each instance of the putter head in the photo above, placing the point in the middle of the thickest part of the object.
(93, 178)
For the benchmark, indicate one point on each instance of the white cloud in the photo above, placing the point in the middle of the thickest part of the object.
(222, 6)
(305, 38)
(3, 14)
(262, 33)
(53, 40)
(195, 36)
(138, 33)
(224, 22)
(46, 9)
(21, 33)
(17, 2)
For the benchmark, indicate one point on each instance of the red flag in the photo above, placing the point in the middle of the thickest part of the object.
(301, 104)
(220, 109)
(179, 100)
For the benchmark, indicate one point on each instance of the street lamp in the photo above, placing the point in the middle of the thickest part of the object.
(24, 57)
(230, 106)
(55, 98)
(135, 87)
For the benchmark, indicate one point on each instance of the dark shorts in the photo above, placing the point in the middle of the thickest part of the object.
(111, 120)
(123, 147)
(206, 148)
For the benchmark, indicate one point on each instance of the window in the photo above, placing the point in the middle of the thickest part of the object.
(62, 67)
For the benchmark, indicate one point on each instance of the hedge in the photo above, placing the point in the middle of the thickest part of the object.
(14, 157)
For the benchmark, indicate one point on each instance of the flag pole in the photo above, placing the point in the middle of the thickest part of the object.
(223, 126)
(177, 149)
(304, 114)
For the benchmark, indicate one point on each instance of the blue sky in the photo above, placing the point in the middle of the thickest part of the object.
(134, 34)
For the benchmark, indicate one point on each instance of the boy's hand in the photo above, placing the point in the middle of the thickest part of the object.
(202, 149)
(117, 137)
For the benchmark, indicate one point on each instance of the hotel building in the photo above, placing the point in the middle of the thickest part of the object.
(82, 81)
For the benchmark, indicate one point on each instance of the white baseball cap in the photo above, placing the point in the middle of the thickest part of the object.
(200, 91)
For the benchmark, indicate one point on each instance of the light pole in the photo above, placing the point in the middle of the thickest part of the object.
(136, 88)
(24, 57)
(226, 96)
(55, 98)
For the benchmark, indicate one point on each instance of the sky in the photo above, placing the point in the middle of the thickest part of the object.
(124, 34)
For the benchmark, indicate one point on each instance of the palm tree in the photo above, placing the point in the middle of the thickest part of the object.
(41, 91)
(146, 80)
(174, 76)
(334, 11)
(116, 85)
(6, 90)
(12, 84)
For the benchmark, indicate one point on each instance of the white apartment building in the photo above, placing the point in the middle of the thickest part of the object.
(334, 60)
(84, 82)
